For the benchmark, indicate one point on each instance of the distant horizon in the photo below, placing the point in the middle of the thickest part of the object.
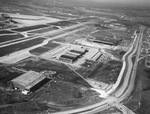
(125, 2)
(103, 3)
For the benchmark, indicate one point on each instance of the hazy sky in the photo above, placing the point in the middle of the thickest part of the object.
(132, 2)
(142, 2)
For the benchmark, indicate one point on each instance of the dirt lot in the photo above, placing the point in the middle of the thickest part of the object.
(104, 72)
(64, 94)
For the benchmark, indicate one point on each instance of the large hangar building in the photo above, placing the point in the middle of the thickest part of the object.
(28, 80)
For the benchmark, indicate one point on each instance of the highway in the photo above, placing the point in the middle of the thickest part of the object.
(124, 86)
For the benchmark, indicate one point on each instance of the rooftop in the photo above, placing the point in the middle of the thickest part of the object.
(29, 78)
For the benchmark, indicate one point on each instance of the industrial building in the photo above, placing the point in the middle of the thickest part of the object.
(68, 59)
(28, 81)
(106, 41)
(72, 55)
(81, 51)
(97, 56)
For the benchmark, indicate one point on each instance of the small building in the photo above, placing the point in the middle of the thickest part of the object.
(97, 56)
(28, 81)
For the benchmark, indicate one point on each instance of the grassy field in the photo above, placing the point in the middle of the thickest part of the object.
(107, 73)
(23, 29)
(5, 38)
(6, 32)
(67, 94)
(19, 46)
(63, 23)
(51, 45)
(63, 72)
(39, 50)
(6, 75)
(144, 77)
(44, 30)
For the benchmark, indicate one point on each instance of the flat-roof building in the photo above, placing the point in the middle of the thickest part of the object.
(106, 41)
(28, 80)
(72, 55)
(67, 58)
(78, 51)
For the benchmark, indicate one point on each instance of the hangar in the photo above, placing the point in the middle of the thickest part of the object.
(113, 42)
(28, 81)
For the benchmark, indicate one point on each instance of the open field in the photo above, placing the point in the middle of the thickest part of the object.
(122, 34)
(5, 38)
(6, 32)
(51, 45)
(15, 40)
(39, 50)
(80, 20)
(64, 16)
(19, 46)
(2, 19)
(6, 75)
(2, 24)
(102, 33)
(144, 77)
(23, 29)
(66, 94)
(16, 9)
(41, 65)
(44, 30)
(63, 72)
(63, 23)
(106, 73)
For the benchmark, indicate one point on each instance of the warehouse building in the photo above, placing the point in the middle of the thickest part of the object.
(79, 51)
(113, 42)
(72, 55)
(29, 81)
(68, 59)
(97, 56)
